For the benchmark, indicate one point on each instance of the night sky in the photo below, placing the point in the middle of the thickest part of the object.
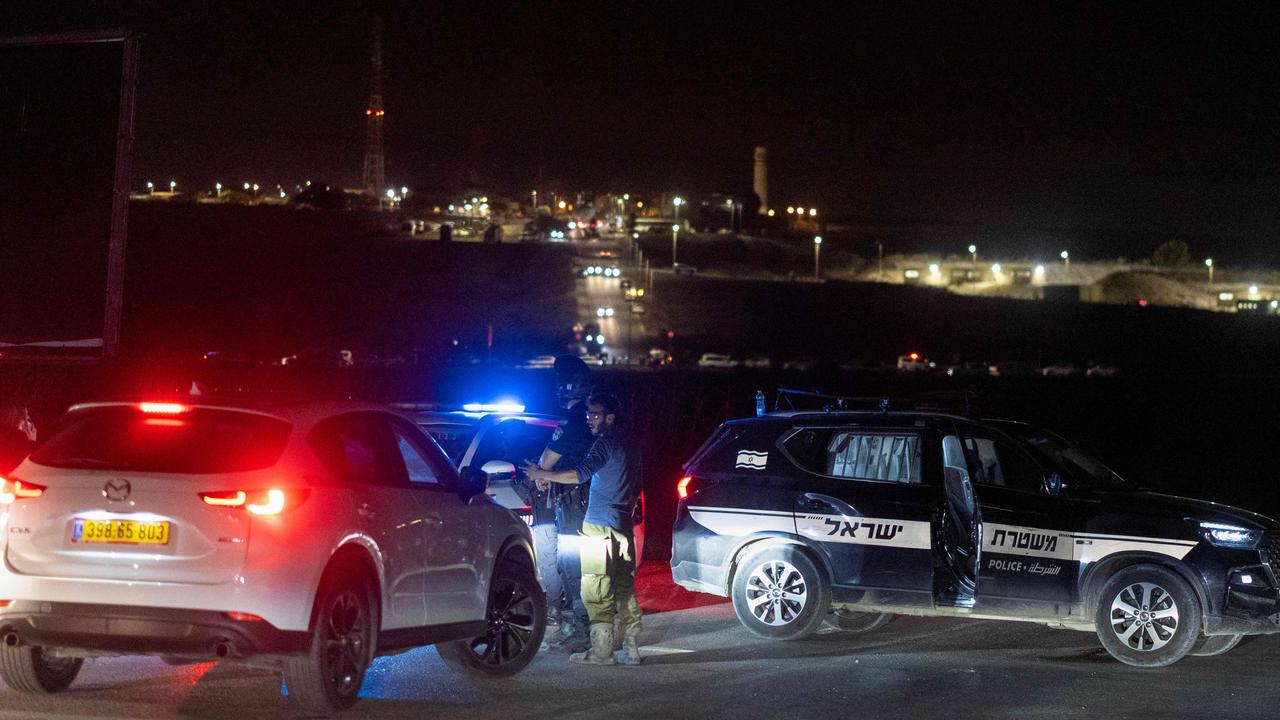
(1113, 115)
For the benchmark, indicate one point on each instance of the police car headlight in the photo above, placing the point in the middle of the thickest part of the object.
(1230, 535)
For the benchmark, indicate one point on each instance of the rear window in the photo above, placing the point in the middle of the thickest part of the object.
(195, 442)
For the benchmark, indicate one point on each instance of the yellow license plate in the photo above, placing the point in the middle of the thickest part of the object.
(127, 532)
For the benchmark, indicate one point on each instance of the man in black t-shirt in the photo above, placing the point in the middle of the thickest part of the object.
(567, 448)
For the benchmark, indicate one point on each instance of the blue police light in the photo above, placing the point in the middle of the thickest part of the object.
(498, 407)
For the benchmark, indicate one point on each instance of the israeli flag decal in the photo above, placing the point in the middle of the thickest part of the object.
(752, 460)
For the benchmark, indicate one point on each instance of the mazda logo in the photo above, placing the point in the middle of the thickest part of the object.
(117, 489)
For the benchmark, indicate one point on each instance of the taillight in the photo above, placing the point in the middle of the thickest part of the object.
(684, 486)
(259, 502)
(5, 603)
(13, 490)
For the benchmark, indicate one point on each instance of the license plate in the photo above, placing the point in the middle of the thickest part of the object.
(120, 532)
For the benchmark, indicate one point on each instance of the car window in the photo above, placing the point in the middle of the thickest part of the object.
(892, 455)
(514, 441)
(418, 469)
(999, 463)
(359, 448)
(453, 438)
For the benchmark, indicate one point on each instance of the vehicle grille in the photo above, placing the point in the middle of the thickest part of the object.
(1271, 553)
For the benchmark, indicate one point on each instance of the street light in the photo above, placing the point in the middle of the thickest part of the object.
(151, 187)
(675, 236)
(217, 187)
(1208, 262)
(817, 257)
(173, 184)
(1066, 258)
(973, 250)
(676, 202)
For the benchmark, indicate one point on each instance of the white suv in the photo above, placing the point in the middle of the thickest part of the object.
(305, 537)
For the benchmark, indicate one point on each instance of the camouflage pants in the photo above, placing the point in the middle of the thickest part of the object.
(609, 577)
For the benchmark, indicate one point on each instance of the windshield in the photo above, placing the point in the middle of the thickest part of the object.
(454, 439)
(1079, 466)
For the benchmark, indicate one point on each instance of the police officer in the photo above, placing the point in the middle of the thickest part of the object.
(567, 448)
(612, 465)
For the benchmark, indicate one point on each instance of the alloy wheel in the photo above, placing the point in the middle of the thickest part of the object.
(509, 624)
(347, 631)
(776, 592)
(1144, 616)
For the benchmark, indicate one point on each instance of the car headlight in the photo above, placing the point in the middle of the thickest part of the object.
(1230, 535)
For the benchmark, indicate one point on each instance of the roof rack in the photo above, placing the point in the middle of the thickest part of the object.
(960, 402)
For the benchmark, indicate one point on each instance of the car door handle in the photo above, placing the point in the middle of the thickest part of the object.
(365, 512)
(812, 502)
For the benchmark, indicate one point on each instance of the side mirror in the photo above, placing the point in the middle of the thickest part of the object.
(474, 482)
(1053, 485)
(498, 467)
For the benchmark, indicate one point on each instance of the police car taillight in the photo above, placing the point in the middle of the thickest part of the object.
(684, 487)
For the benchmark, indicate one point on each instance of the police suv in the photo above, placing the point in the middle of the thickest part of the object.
(852, 516)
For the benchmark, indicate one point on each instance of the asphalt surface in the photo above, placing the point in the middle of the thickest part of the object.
(595, 292)
(700, 663)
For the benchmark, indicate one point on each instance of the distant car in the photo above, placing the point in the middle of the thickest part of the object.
(799, 364)
(310, 537)
(1060, 370)
(1010, 368)
(758, 363)
(1102, 370)
(717, 360)
(913, 362)
(592, 360)
(539, 362)
(683, 269)
(967, 369)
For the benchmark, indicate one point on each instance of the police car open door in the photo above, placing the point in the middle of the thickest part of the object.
(1024, 566)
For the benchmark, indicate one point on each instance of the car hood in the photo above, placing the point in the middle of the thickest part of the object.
(1177, 507)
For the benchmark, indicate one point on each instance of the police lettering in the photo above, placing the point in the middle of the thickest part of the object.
(1024, 540)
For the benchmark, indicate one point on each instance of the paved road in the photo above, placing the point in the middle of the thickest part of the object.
(702, 664)
(595, 292)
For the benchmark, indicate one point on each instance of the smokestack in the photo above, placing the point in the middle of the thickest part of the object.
(761, 184)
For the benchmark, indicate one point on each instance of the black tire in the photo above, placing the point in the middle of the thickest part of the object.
(1210, 645)
(857, 622)
(1147, 616)
(778, 593)
(328, 677)
(515, 621)
(30, 669)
